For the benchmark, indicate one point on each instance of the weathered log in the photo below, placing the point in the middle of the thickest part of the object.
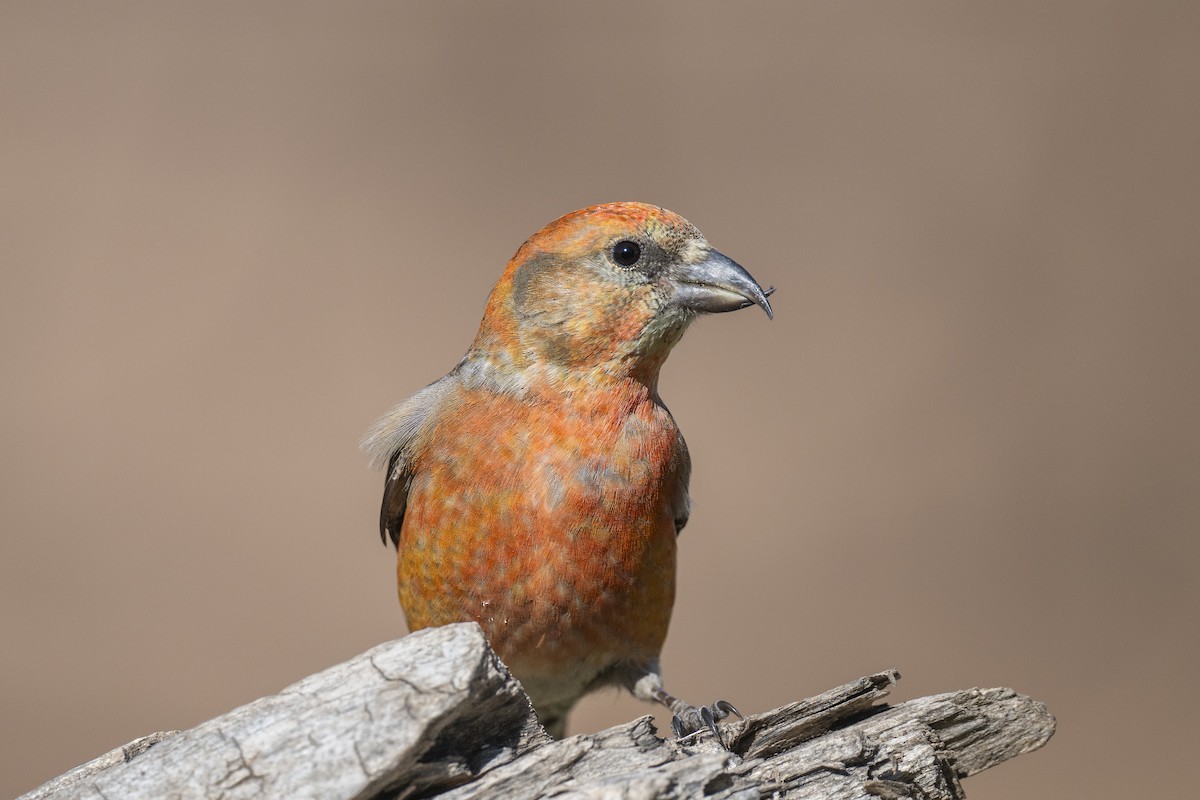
(436, 713)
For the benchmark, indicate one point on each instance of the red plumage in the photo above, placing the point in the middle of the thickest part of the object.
(538, 488)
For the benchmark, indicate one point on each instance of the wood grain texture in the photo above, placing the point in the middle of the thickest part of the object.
(423, 712)
(437, 714)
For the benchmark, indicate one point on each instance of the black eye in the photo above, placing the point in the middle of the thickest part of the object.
(626, 253)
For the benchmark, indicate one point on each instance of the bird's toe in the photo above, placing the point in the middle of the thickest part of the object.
(688, 719)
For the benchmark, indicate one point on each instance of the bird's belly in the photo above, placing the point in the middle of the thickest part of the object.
(563, 550)
(547, 589)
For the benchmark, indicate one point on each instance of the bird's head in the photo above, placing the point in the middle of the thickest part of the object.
(608, 290)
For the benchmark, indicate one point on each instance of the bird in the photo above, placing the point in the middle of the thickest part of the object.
(539, 487)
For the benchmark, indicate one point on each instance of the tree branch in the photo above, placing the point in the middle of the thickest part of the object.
(437, 714)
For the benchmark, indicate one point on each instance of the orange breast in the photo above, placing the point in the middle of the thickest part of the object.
(551, 524)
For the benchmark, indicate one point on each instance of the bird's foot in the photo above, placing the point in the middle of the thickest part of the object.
(688, 719)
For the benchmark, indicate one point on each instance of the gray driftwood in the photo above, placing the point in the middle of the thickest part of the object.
(436, 713)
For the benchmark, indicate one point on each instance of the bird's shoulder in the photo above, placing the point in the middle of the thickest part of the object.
(395, 438)
(397, 430)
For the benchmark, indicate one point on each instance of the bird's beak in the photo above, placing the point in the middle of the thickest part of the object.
(718, 283)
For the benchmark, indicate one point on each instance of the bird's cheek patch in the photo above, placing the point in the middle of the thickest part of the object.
(521, 280)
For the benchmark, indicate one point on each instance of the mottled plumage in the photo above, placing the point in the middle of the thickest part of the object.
(538, 488)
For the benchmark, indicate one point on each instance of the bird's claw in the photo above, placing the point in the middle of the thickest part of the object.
(723, 708)
(688, 719)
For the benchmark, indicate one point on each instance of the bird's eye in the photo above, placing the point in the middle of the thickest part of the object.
(626, 253)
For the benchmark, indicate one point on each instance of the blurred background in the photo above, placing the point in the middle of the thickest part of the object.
(968, 446)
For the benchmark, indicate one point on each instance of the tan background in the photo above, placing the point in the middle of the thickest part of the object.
(968, 446)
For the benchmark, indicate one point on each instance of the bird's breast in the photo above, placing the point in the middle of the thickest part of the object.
(550, 523)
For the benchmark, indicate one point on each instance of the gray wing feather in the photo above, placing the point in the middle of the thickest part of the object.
(391, 441)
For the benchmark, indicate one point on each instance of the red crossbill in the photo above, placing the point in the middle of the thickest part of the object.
(539, 487)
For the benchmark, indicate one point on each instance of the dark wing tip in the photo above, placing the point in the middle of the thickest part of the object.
(395, 499)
